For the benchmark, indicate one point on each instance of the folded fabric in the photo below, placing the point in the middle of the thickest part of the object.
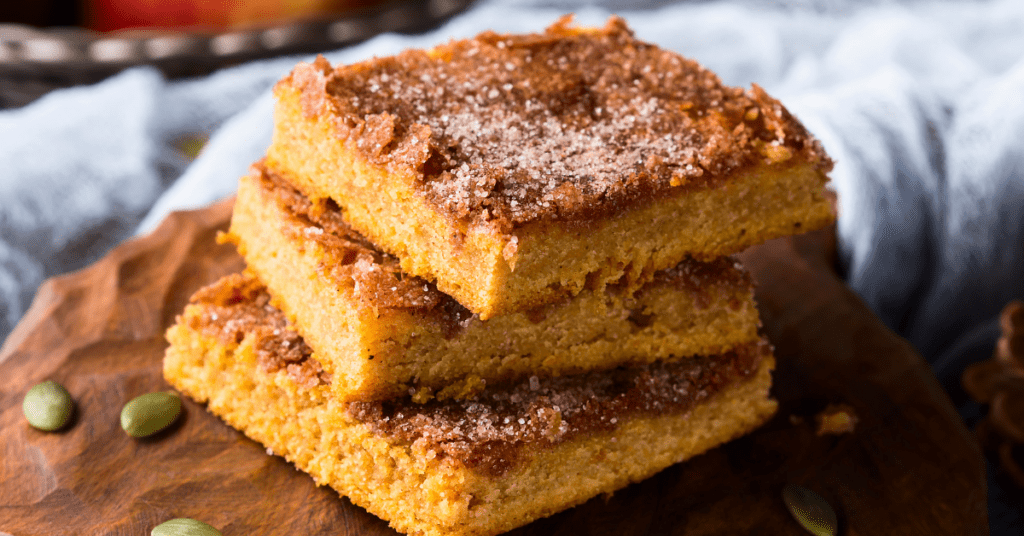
(926, 144)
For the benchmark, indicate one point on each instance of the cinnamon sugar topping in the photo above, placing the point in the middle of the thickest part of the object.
(374, 277)
(238, 306)
(490, 430)
(569, 124)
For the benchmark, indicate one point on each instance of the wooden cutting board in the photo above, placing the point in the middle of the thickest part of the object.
(910, 467)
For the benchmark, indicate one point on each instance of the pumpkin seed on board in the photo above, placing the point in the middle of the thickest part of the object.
(48, 406)
(147, 414)
(184, 526)
(810, 510)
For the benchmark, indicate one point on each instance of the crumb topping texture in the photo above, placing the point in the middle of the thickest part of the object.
(570, 124)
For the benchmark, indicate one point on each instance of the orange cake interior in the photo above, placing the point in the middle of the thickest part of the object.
(511, 454)
(516, 170)
(382, 333)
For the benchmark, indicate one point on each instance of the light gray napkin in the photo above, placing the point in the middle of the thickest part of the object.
(918, 103)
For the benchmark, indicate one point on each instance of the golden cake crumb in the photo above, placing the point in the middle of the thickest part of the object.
(836, 419)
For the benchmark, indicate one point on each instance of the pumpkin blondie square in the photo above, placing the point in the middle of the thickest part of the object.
(516, 170)
(381, 333)
(477, 467)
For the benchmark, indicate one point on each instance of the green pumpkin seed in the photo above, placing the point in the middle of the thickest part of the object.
(148, 414)
(810, 510)
(48, 406)
(184, 526)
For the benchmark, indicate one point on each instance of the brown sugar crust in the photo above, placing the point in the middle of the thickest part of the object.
(568, 125)
(240, 305)
(487, 431)
(377, 278)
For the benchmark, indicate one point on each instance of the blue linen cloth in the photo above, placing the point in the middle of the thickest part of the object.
(920, 104)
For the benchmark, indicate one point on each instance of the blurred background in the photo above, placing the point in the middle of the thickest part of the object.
(48, 44)
(115, 112)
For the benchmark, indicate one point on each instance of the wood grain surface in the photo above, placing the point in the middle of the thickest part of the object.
(909, 468)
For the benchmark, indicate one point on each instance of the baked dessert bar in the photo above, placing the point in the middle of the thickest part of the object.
(479, 467)
(516, 170)
(382, 333)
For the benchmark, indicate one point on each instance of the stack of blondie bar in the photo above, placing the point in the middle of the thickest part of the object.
(491, 280)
